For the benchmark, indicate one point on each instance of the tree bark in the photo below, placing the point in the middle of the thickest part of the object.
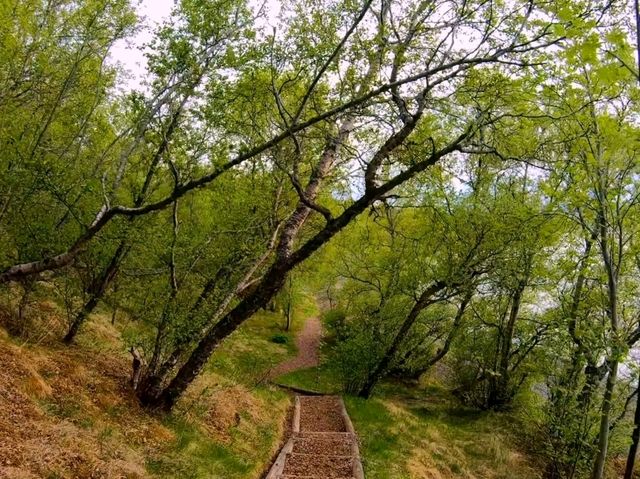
(603, 436)
(426, 299)
(635, 440)
(499, 393)
(612, 362)
(96, 292)
(270, 285)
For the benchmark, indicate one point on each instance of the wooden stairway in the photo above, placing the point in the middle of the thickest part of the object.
(323, 444)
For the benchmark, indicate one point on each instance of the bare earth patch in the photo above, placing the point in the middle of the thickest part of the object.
(308, 344)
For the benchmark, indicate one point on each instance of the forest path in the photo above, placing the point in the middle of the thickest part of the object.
(323, 444)
(308, 344)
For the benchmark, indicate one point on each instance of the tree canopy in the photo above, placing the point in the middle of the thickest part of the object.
(460, 177)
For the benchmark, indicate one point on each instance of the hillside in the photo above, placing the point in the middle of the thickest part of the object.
(69, 412)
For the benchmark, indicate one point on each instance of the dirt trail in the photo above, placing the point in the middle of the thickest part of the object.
(323, 444)
(308, 343)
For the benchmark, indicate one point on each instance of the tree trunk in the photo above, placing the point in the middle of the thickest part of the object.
(499, 394)
(166, 398)
(289, 305)
(612, 296)
(603, 436)
(579, 352)
(96, 291)
(635, 440)
(424, 301)
(287, 259)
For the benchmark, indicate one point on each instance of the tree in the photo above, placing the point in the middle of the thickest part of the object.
(600, 175)
(394, 149)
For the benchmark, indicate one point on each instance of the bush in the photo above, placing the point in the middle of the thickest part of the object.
(355, 356)
(280, 338)
(335, 323)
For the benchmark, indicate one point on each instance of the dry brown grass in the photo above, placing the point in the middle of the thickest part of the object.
(58, 419)
(69, 412)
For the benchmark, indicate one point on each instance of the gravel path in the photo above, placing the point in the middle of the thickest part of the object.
(308, 343)
(323, 444)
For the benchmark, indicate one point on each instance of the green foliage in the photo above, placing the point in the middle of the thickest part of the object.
(334, 321)
(376, 166)
(280, 338)
(356, 356)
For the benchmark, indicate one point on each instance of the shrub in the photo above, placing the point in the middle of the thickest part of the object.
(357, 354)
(335, 323)
(280, 338)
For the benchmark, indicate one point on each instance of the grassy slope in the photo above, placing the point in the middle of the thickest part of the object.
(423, 433)
(68, 411)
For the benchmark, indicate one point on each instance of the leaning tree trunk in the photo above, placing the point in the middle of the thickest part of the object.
(287, 258)
(165, 399)
(96, 292)
(101, 283)
(425, 300)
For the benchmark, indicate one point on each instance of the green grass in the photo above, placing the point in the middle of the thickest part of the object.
(194, 455)
(321, 379)
(409, 432)
(249, 353)
(243, 361)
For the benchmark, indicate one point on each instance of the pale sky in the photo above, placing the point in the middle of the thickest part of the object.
(152, 13)
(127, 52)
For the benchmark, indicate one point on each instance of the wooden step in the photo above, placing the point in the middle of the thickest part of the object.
(323, 443)
(321, 413)
(323, 446)
(348, 436)
(328, 467)
(309, 477)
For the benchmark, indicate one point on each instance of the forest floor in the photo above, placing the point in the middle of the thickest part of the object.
(308, 345)
(69, 412)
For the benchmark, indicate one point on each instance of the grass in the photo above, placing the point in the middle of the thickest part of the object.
(248, 412)
(421, 432)
(231, 422)
(77, 399)
(321, 379)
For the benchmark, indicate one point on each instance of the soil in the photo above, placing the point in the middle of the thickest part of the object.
(321, 414)
(308, 344)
